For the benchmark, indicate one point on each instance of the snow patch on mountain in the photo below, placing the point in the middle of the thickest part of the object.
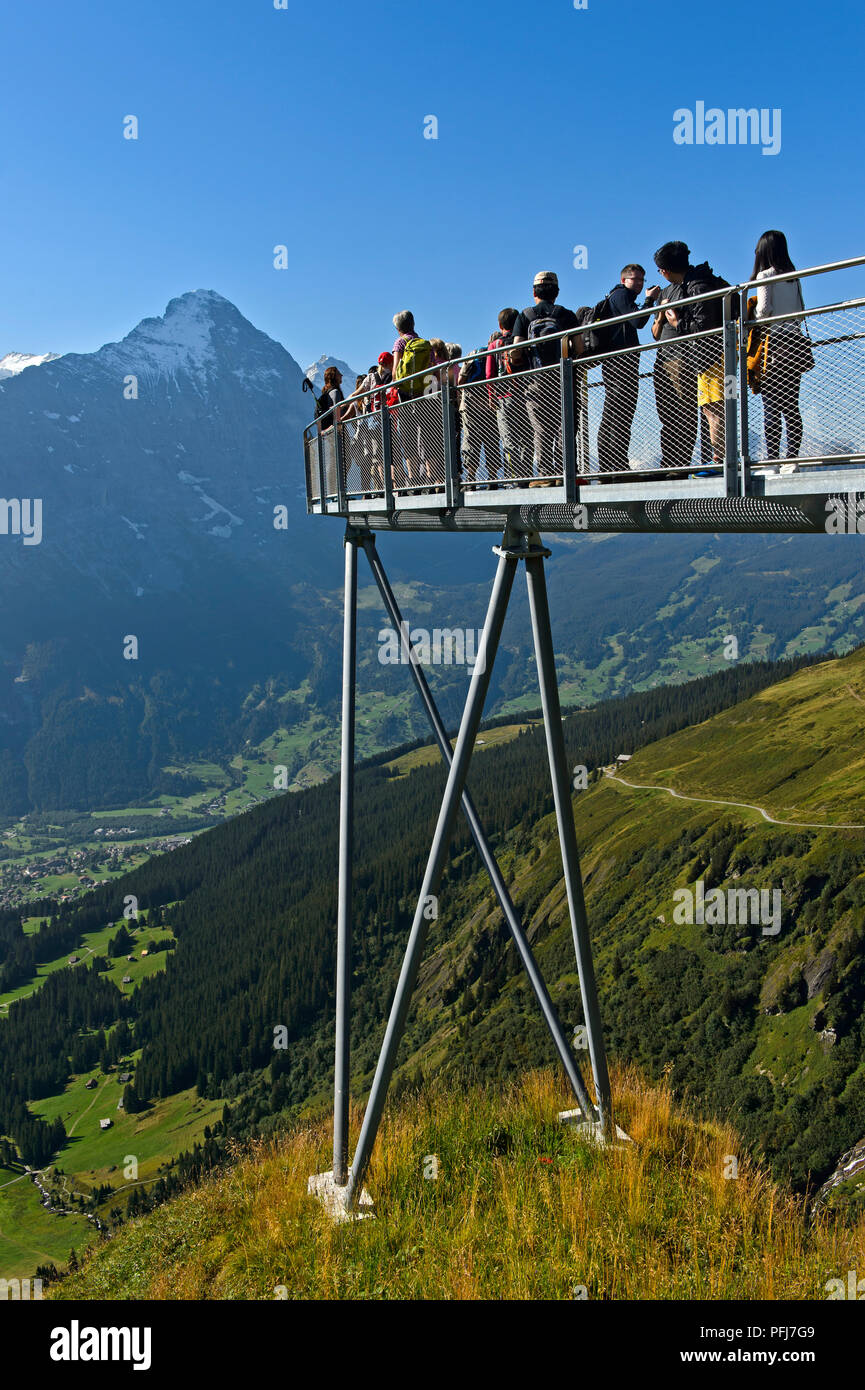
(15, 362)
(215, 507)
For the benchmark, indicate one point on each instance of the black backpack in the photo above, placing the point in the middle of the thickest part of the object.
(545, 354)
(710, 313)
(324, 406)
(598, 337)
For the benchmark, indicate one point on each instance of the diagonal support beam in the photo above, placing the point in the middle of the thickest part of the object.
(471, 719)
(549, 687)
(509, 911)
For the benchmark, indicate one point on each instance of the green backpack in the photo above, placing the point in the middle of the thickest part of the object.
(415, 357)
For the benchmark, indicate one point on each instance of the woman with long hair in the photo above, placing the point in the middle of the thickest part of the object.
(785, 356)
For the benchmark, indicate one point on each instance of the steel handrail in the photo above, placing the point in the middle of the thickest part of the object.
(618, 319)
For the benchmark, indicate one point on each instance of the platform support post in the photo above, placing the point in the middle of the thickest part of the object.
(569, 441)
(386, 454)
(451, 444)
(342, 1057)
(509, 911)
(322, 480)
(540, 613)
(471, 719)
(731, 394)
(744, 427)
(339, 456)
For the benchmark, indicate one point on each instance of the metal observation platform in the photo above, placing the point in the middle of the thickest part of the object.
(666, 436)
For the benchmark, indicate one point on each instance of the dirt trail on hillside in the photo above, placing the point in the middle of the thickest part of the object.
(746, 805)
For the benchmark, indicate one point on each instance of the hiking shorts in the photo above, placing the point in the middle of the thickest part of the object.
(710, 385)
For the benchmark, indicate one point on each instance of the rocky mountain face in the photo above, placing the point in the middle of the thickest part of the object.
(148, 450)
(154, 465)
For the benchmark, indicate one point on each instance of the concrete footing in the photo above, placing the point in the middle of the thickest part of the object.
(591, 1129)
(332, 1197)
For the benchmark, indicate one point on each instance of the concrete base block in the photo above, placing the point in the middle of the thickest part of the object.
(332, 1197)
(591, 1129)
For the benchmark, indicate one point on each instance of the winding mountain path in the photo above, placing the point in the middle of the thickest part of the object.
(746, 805)
(79, 1118)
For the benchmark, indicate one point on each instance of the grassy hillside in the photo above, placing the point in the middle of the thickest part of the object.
(520, 1207)
(797, 749)
(763, 1032)
(28, 1236)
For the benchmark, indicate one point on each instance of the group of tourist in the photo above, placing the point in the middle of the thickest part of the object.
(516, 418)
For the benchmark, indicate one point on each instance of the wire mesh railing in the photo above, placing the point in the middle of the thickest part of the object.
(755, 391)
(657, 408)
(807, 383)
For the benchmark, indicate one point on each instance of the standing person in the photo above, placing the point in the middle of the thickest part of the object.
(707, 353)
(356, 442)
(675, 378)
(788, 353)
(470, 404)
(454, 352)
(327, 414)
(621, 374)
(506, 399)
(438, 358)
(411, 354)
(378, 376)
(432, 455)
(543, 317)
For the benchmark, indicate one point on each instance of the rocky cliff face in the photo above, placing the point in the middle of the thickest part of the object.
(845, 1188)
(156, 454)
(155, 465)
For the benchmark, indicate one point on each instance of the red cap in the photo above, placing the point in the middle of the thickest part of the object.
(385, 359)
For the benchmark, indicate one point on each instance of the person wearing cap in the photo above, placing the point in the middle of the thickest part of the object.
(541, 395)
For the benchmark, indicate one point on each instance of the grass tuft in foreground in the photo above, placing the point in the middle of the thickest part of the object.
(521, 1207)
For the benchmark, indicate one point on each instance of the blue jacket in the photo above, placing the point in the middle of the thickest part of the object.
(624, 301)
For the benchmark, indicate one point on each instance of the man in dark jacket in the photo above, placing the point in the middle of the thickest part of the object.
(621, 374)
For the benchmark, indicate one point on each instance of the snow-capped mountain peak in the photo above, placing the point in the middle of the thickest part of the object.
(181, 340)
(315, 372)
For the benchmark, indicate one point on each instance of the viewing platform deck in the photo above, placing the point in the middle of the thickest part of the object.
(520, 447)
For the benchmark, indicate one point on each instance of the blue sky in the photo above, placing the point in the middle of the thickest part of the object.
(305, 127)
